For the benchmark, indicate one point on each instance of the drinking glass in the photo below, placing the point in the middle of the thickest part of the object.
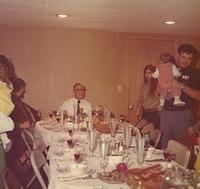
(103, 165)
(140, 142)
(50, 115)
(58, 119)
(70, 142)
(103, 148)
(77, 155)
(71, 132)
(127, 135)
(54, 112)
(92, 140)
(113, 127)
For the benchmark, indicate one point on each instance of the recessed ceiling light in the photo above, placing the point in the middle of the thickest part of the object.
(170, 22)
(62, 15)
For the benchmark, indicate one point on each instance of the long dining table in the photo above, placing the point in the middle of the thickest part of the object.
(61, 158)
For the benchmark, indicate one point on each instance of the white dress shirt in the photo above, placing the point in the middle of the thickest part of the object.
(70, 105)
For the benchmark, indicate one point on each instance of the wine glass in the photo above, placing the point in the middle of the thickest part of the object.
(54, 112)
(70, 142)
(92, 140)
(77, 155)
(71, 132)
(50, 115)
(65, 115)
(103, 164)
(58, 119)
(113, 127)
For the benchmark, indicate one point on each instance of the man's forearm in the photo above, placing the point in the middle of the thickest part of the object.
(192, 92)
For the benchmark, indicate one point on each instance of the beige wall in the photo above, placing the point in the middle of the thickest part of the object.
(51, 60)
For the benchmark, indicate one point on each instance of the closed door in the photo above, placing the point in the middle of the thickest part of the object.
(143, 52)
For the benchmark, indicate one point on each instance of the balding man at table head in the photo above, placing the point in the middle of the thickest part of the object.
(77, 104)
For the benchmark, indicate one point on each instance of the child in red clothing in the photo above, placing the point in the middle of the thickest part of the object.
(166, 72)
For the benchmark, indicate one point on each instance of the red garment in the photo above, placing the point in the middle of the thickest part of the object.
(166, 80)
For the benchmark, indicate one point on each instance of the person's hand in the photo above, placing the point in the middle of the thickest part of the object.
(8, 146)
(25, 125)
(178, 84)
(138, 113)
(39, 113)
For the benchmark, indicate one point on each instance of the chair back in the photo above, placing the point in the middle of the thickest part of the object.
(40, 167)
(28, 138)
(155, 137)
(181, 151)
(38, 144)
(10, 181)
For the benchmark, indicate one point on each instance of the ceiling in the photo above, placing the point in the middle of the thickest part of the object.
(144, 16)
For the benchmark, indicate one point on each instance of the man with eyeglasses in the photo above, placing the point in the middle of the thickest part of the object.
(77, 105)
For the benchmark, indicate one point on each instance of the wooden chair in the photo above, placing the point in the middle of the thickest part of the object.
(40, 167)
(181, 151)
(10, 181)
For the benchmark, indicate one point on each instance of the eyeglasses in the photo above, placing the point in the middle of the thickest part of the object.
(79, 89)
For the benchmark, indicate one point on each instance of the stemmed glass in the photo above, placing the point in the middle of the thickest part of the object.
(92, 140)
(71, 132)
(103, 165)
(54, 112)
(127, 136)
(50, 115)
(113, 127)
(77, 155)
(103, 150)
(70, 143)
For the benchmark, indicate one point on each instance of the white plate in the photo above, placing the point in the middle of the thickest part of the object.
(86, 171)
(69, 176)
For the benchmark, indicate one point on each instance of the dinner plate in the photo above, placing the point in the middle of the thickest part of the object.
(71, 176)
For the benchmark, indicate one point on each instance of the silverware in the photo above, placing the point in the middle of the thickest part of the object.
(69, 178)
(154, 160)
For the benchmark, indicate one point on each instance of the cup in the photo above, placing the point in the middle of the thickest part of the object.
(140, 142)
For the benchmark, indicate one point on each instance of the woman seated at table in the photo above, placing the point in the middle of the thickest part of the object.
(148, 102)
(24, 117)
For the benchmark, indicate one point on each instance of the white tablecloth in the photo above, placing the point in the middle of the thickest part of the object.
(56, 138)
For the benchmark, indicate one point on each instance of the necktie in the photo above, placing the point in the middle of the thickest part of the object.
(78, 108)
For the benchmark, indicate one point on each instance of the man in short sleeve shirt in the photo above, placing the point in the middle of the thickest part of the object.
(176, 120)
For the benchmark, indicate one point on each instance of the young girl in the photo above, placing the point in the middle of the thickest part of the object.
(148, 102)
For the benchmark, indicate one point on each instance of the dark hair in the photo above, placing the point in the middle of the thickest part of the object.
(11, 70)
(167, 57)
(154, 82)
(186, 48)
(4, 61)
(18, 83)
